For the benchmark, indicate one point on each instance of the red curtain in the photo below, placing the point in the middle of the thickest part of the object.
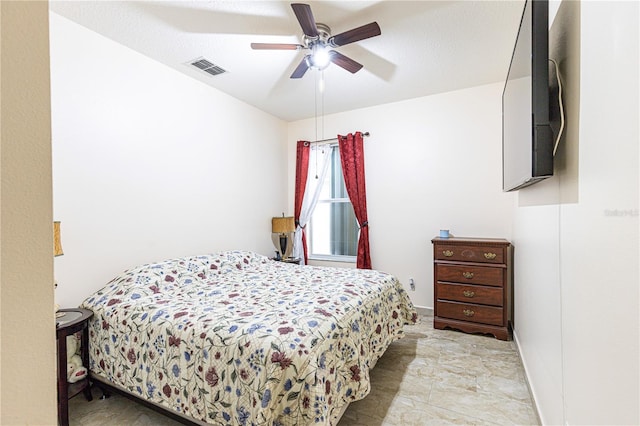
(302, 168)
(352, 159)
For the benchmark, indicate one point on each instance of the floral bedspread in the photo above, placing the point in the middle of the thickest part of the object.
(236, 338)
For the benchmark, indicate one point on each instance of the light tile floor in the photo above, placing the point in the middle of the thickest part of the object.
(430, 377)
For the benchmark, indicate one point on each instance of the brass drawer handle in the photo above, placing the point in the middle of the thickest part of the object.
(469, 293)
(467, 275)
(489, 256)
(447, 253)
(468, 313)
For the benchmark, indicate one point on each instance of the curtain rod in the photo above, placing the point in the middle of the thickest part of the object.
(364, 135)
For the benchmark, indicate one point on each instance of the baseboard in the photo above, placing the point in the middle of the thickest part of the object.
(422, 310)
(536, 408)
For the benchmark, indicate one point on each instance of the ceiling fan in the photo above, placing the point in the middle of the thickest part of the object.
(318, 39)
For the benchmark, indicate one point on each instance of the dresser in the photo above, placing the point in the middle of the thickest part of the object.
(473, 285)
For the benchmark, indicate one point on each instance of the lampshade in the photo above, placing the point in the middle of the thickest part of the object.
(283, 225)
(57, 245)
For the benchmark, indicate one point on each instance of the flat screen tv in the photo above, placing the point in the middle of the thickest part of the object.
(527, 138)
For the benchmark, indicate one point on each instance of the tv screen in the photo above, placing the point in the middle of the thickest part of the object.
(527, 139)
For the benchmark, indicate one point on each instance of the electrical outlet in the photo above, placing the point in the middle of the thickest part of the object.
(412, 284)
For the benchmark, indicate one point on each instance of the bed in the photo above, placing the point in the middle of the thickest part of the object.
(237, 338)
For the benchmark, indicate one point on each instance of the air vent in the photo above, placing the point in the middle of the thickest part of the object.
(207, 66)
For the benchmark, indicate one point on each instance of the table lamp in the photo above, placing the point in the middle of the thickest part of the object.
(283, 226)
(57, 251)
(57, 245)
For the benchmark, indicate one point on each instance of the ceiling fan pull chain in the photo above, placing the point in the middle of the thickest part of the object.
(315, 106)
(322, 106)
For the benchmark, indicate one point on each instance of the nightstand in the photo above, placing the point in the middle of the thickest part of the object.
(295, 260)
(71, 321)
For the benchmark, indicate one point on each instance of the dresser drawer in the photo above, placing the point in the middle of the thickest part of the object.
(470, 274)
(469, 312)
(470, 294)
(469, 253)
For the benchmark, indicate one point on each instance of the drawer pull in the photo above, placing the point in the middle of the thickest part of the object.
(469, 293)
(447, 253)
(468, 313)
(489, 256)
(467, 275)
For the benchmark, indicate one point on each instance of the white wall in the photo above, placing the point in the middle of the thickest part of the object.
(149, 164)
(27, 324)
(431, 163)
(577, 258)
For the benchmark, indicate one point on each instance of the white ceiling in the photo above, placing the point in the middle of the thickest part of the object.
(426, 47)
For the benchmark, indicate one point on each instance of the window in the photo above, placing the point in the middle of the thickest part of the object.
(333, 228)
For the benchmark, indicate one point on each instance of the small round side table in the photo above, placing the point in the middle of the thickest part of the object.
(68, 322)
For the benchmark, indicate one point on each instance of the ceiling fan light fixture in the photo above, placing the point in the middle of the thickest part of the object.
(320, 57)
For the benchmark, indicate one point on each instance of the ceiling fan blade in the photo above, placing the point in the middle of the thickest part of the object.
(301, 68)
(345, 62)
(305, 18)
(356, 34)
(275, 46)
